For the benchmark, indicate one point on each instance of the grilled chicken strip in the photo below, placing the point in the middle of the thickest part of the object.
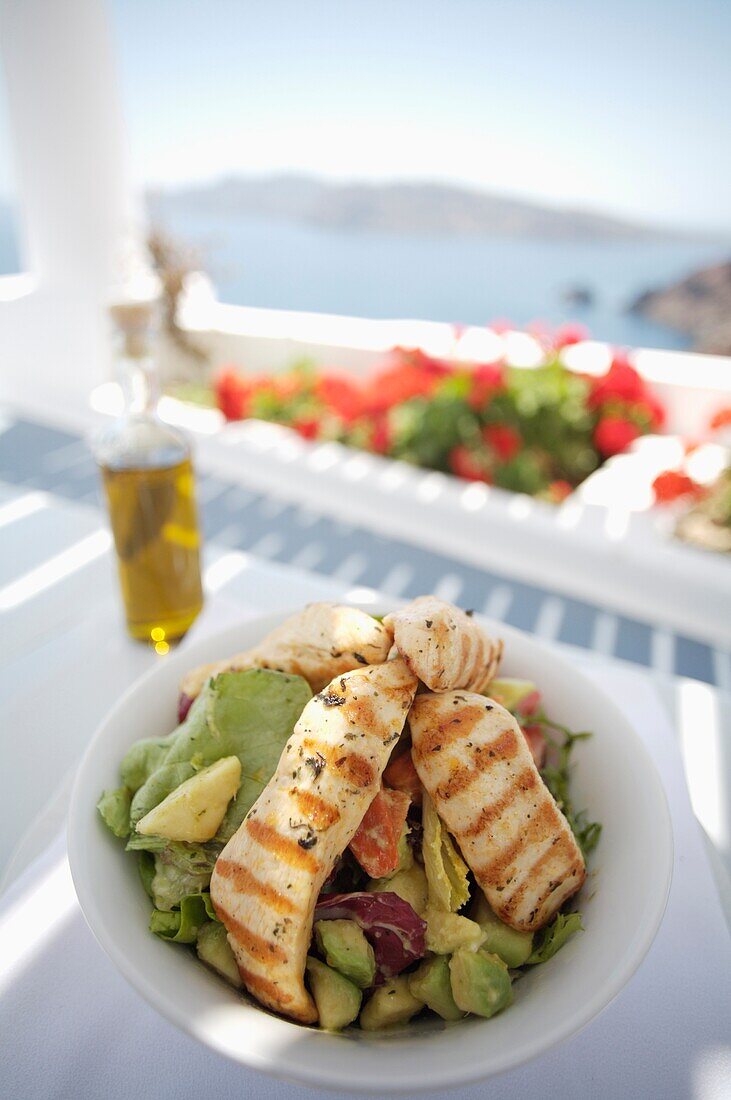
(475, 763)
(443, 646)
(268, 877)
(319, 643)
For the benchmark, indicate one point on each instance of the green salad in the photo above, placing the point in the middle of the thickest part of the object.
(400, 926)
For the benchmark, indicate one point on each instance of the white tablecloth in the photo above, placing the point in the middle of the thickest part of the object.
(71, 1027)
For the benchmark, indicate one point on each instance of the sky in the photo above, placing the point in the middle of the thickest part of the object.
(616, 105)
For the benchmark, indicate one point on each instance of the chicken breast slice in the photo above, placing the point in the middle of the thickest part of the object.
(444, 646)
(475, 763)
(268, 877)
(320, 642)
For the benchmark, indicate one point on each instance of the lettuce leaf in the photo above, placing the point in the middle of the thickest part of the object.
(183, 925)
(446, 871)
(248, 714)
(554, 936)
(146, 868)
(182, 869)
(142, 759)
(114, 808)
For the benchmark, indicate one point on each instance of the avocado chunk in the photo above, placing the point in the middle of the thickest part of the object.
(431, 984)
(512, 946)
(214, 950)
(195, 809)
(337, 999)
(411, 885)
(347, 950)
(446, 932)
(391, 1004)
(509, 692)
(480, 982)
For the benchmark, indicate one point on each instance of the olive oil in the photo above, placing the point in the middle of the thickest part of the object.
(154, 521)
(149, 483)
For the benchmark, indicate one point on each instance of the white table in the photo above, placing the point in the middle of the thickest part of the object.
(64, 658)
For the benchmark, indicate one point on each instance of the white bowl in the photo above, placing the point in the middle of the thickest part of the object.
(622, 903)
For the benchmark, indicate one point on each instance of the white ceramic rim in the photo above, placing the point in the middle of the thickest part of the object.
(314, 1069)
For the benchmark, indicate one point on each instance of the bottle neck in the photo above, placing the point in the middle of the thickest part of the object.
(139, 382)
(136, 330)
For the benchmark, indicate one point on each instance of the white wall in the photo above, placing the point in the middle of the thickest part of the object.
(75, 205)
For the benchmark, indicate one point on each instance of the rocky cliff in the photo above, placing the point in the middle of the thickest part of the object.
(699, 305)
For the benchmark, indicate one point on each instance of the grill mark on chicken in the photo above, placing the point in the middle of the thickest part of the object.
(518, 845)
(517, 895)
(493, 872)
(443, 646)
(318, 811)
(488, 814)
(246, 883)
(505, 747)
(262, 950)
(564, 888)
(281, 846)
(456, 727)
(319, 776)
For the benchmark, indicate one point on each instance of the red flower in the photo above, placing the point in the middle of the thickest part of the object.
(657, 411)
(307, 427)
(504, 440)
(559, 490)
(463, 463)
(487, 379)
(381, 436)
(672, 484)
(621, 382)
(395, 384)
(233, 394)
(501, 325)
(568, 334)
(613, 434)
(342, 394)
(720, 419)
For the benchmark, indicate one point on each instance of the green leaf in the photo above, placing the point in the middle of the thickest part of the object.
(114, 807)
(182, 869)
(183, 925)
(557, 777)
(142, 760)
(446, 871)
(552, 938)
(146, 867)
(248, 714)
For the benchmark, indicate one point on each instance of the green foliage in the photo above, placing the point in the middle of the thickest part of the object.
(557, 778)
(552, 938)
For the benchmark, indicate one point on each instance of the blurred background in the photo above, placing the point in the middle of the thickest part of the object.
(525, 161)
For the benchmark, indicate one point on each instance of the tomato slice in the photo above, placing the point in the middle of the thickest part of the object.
(536, 743)
(375, 843)
(400, 774)
(530, 703)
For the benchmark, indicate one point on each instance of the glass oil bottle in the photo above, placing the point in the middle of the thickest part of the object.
(149, 484)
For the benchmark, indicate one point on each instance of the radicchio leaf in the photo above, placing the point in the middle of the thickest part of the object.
(394, 930)
(185, 702)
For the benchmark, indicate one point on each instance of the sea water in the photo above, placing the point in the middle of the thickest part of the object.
(468, 280)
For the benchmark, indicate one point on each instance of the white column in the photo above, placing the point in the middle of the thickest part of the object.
(75, 201)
